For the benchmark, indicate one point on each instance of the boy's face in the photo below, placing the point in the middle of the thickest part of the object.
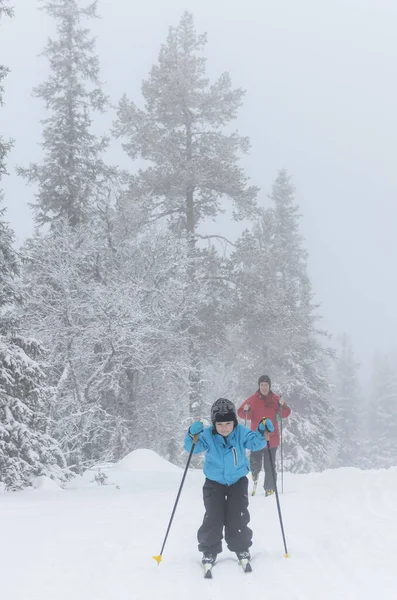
(224, 428)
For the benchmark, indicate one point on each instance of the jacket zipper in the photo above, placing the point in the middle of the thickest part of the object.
(235, 456)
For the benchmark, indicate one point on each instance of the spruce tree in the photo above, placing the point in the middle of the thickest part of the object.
(382, 415)
(276, 328)
(26, 448)
(348, 401)
(8, 257)
(72, 174)
(182, 132)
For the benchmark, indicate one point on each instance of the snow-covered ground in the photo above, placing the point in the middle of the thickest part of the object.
(92, 542)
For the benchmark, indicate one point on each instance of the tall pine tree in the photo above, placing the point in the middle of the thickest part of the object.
(181, 132)
(348, 401)
(382, 415)
(73, 173)
(26, 448)
(193, 160)
(276, 328)
(8, 258)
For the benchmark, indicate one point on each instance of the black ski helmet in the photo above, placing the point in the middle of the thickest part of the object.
(223, 410)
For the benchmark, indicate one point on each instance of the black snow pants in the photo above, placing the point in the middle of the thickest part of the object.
(226, 506)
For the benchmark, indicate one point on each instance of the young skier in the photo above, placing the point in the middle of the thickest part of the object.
(225, 491)
(264, 403)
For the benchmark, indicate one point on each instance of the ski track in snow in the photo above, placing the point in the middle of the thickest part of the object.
(97, 543)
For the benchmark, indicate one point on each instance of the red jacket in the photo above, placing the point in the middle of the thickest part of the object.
(265, 406)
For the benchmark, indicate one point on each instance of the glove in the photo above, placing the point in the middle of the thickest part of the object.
(265, 425)
(247, 408)
(196, 428)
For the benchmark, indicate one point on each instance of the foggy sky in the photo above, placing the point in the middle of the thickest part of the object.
(321, 102)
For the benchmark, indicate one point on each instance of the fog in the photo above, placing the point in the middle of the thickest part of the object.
(321, 102)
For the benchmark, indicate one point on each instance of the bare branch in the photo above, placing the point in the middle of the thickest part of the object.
(218, 237)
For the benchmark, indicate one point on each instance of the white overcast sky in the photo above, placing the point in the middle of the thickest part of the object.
(321, 102)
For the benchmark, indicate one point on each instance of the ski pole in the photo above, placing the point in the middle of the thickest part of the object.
(278, 500)
(160, 556)
(281, 449)
(282, 461)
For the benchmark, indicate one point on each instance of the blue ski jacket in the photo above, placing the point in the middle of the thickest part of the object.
(226, 460)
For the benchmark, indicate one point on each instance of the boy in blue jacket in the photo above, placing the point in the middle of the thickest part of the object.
(225, 491)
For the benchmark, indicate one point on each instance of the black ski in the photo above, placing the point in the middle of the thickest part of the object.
(207, 570)
(246, 565)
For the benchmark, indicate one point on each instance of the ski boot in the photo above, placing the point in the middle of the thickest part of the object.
(244, 560)
(208, 562)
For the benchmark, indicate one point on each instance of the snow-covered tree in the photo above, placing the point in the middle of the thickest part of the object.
(8, 257)
(5, 10)
(183, 132)
(27, 449)
(72, 172)
(58, 307)
(9, 267)
(382, 415)
(9, 270)
(347, 399)
(71, 180)
(109, 300)
(276, 328)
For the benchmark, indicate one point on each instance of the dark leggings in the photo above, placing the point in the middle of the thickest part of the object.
(262, 456)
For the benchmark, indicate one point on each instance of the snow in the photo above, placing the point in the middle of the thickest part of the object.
(46, 483)
(147, 460)
(95, 542)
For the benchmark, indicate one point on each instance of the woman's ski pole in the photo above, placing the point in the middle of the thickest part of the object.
(281, 448)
